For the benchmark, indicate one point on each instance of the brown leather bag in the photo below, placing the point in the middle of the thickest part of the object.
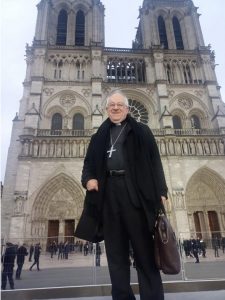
(166, 250)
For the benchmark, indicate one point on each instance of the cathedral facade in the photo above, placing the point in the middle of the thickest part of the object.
(169, 78)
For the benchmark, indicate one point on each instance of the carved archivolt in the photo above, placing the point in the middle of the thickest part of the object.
(65, 100)
(188, 101)
(205, 188)
(61, 197)
(205, 195)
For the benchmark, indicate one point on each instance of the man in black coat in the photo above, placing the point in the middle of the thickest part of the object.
(31, 251)
(21, 253)
(125, 185)
(37, 253)
(8, 260)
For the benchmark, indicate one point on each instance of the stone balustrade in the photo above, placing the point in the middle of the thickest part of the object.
(65, 132)
(171, 142)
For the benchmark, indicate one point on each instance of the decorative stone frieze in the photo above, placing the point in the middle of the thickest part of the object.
(67, 100)
(59, 147)
(48, 91)
(178, 199)
(86, 92)
(19, 198)
(185, 103)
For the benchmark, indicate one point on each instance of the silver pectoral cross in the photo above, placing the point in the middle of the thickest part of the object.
(111, 151)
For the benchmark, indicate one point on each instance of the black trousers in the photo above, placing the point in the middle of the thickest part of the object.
(36, 262)
(124, 223)
(7, 273)
(30, 256)
(19, 270)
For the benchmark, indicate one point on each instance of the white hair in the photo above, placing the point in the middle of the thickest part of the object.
(119, 93)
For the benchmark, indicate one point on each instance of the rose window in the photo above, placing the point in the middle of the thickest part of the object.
(138, 111)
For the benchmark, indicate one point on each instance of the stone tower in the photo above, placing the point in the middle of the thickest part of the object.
(168, 76)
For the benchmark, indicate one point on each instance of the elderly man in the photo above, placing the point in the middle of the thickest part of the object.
(125, 185)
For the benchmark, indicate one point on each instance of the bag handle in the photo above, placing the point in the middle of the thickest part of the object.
(162, 210)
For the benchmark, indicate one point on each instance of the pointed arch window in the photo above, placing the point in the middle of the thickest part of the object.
(78, 122)
(56, 125)
(177, 34)
(162, 32)
(195, 122)
(80, 29)
(62, 28)
(56, 122)
(177, 124)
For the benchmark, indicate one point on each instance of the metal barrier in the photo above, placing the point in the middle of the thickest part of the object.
(72, 267)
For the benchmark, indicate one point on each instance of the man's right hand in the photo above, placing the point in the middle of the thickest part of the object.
(92, 185)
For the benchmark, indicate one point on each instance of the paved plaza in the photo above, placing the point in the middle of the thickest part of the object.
(217, 295)
(80, 270)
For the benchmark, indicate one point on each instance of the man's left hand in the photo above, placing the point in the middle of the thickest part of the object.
(163, 200)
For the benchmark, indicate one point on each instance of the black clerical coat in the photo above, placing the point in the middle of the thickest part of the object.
(144, 176)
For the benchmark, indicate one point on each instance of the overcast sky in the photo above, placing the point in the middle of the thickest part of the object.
(18, 18)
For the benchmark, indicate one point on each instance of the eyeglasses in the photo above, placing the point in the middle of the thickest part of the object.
(119, 105)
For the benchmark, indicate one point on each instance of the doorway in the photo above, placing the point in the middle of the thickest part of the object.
(53, 232)
(214, 224)
(197, 225)
(69, 231)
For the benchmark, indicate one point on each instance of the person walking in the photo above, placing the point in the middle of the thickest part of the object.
(216, 245)
(21, 253)
(195, 249)
(203, 248)
(61, 250)
(31, 251)
(66, 250)
(52, 249)
(86, 249)
(37, 253)
(8, 260)
(223, 243)
(125, 184)
(98, 255)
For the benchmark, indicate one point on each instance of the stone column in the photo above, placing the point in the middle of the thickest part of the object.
(61, 230)
(202, 224)
(71, 28)
(183, 232)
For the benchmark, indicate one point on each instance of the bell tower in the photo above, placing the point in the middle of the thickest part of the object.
(171, 28)
(172, 24)
(70, 23)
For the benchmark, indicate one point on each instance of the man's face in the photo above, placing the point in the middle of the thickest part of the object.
(116, 109)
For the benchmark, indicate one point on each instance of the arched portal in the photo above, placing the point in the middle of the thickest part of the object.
(57, 209)
(205, 204)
